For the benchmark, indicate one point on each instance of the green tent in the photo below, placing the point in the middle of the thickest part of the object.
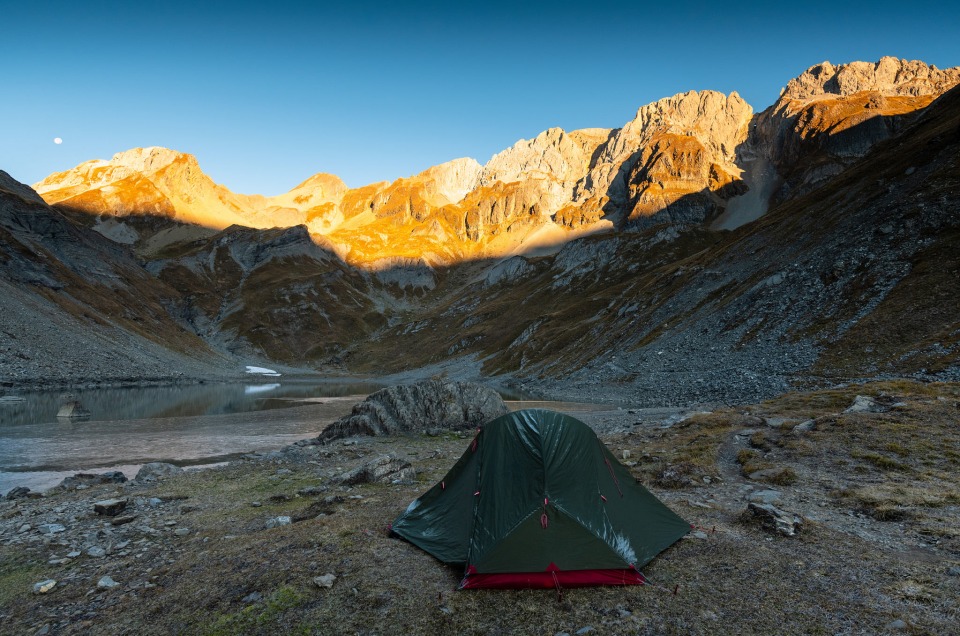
(538, 501)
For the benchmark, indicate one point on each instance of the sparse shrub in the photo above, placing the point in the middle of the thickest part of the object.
(675, 475)
(881, 461)
(784, 477)
(759, 440)
(888, 512)
(897, 448)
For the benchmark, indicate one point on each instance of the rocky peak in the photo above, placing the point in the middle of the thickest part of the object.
(889, 76)
(454, 179)
(553, 152)
(718, 121)
(150, 159)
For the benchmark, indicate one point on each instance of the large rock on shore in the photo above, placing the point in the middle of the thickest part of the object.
(418, 407)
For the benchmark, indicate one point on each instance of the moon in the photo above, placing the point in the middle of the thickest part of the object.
(57, 140)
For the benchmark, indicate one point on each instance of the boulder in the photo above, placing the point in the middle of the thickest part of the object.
(865, 404)
(276, 522)
(772, 518)
(325, 581)
(73, 410)
(383, 469)
(157, 470)
(110, 507)
(419, 407)
(17, 493)
(92, 479)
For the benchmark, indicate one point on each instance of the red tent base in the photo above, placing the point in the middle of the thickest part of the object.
(551, 578)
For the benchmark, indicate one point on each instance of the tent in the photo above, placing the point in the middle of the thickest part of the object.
(538, 501)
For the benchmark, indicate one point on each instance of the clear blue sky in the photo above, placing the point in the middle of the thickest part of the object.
(267, 93)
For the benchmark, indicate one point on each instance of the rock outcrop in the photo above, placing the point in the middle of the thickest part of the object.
(674, 147)
(430, 404)
(831, 116)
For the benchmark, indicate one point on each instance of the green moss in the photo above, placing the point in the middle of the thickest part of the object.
(259, 615)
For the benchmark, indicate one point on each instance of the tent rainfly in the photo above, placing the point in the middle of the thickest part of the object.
(537, 500)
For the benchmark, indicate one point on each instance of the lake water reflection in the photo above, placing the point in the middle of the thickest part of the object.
(186, 424)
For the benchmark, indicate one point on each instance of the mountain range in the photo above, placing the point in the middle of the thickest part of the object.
(700, 252)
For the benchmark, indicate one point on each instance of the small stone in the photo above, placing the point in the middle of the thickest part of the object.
(110, 507)
(383, 469)
(252, 597)
(312, 491)
(43, 631)
(698, 534)
(44, 586)
(805, 427)
(625, 454)
(953, 571)
(119, 521)
(155, 502)
(24, 528)
(181, 532)
(780, 521)
(170, 523)
(585, 630)
(897, 625)
(279, 521)
(96, 552)
(325, 581)
(107, 583)
(255, 504)
(284, 471)
(74, 554)
(51, 528)
(187, 508)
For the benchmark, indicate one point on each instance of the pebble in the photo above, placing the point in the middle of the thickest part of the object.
(284, 471)
(154, 502)
(25, 528)
(586, 630)
(255, 504)
(74, 554)
(953, 571)
(897, 625)
(44, 586)
(181, 532)
(325, 581)
(106, 583)
(96, 552)
(252, 597)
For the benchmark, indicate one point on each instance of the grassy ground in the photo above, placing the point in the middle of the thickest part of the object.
(879, 492)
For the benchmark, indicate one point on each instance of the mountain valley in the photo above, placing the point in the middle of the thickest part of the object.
(700, 253)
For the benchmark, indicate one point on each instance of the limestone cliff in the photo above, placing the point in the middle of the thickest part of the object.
(830, 116)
